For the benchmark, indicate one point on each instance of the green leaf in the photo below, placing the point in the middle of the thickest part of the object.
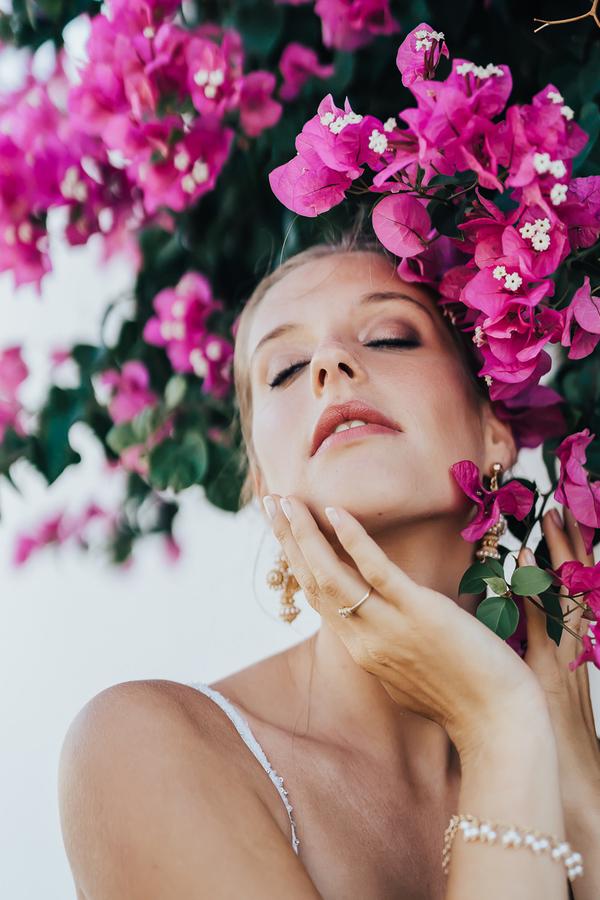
(121, 436)
(497, 584)
(589, 120)
(472, 581)
(500, 614)
(177, 464)
(529, 580)
(551, 603)
(175, 391)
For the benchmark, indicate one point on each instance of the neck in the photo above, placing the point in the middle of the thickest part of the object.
(347, 706)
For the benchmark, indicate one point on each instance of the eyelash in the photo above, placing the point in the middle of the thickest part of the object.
(397, 342)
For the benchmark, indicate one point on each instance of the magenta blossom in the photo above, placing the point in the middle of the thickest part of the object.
(591, 649)
(575, 490)
(419, 53)
(402, 224)
(578, 577)
(350, 24)
(513, 498)
(298, 64)
(584, 312)
(130, 390)
(258, 109)
(13, 372)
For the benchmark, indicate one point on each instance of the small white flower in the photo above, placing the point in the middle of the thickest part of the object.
(338, 125)
(541, 162)
(488, 380)
(148, 32)
(499, 273)
(80, 192)
(181, 160)
(216, 77)
(558, 168)
(527, 230)
(210, 91)
(513, 282)
(165, 330)
(200, 171)
(542, 224)
(213, 350)
(178, 309)
(10, 235)
(25, 232)
(437, 35)
(478, 336)
(540, 241)
(199, 364)
(567, 112)
(201, 76)
(389, 124)
(464, 68)
(558, 194)
(421, 33)
(378, 141)
(555, 96)
(352, 118)
(424, 43)
(188, 184)
(326, 118)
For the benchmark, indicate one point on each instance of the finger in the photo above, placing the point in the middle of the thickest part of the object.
(394, 585)
(537, 636)
(574, 532)
(329, 581)
(297, 564)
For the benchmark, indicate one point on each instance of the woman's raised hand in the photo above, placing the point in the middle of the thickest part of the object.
(432, 657)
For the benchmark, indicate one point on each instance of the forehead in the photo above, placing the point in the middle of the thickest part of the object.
(328, 284)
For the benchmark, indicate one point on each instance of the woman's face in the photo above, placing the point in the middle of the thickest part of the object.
(330, 322)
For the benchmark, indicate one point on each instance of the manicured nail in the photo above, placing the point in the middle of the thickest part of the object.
(286, 507)
(332, 515)
(529, 557)
(556, 518)
(270, 506)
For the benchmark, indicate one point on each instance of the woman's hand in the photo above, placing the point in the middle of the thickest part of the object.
(430, 655)
(567, 692)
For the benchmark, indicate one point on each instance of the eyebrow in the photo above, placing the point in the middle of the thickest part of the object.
(372, 297)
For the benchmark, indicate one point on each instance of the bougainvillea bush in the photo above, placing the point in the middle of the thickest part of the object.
(201, 139)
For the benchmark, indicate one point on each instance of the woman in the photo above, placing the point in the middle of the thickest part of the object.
(386, 721)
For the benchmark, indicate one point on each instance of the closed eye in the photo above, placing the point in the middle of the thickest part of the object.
(284, 374)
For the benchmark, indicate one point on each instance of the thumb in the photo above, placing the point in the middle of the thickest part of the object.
(537, 636)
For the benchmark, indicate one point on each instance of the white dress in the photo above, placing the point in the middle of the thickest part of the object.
(246, 734)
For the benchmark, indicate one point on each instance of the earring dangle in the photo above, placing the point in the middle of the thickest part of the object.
(489, 541)
(280, 578)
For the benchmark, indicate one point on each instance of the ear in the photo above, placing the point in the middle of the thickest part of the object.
(500, 445)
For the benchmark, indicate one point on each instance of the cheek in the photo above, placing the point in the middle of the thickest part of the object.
(279, 430)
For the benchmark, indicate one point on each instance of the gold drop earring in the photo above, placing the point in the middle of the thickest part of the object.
(489, 541)
(281, 578)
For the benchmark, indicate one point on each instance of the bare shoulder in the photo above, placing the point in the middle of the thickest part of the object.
(153, 805)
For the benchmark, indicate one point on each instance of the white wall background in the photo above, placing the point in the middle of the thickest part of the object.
(71, 626)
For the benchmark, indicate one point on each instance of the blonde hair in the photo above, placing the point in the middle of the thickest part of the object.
(350, 241)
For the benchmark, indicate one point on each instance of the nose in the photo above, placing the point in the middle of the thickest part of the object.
(331, 364)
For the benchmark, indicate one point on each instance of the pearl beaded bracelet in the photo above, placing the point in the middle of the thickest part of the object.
(474, 829)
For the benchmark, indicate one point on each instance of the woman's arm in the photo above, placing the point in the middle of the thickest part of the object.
(510, 776)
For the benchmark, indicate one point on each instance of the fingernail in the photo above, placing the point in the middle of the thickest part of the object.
(286, 507)
(332, 515)
(270, 506)
(556, 518)
(529, 557)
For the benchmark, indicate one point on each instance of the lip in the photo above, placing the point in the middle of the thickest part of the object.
(336, 413)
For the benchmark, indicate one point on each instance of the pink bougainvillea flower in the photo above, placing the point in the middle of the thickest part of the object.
(534, 414)
(419, 53)
(213, 87)
(402, 224)
(258, 109)
(307, 186)
(350, 24)
(512, 498)
(580, 211)
(298, 64)
(13, 372)
(575, 490)
(591, 649)
(130, 390)
(57, 529)
(212, 360)
(584, 312)
(578, 577)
